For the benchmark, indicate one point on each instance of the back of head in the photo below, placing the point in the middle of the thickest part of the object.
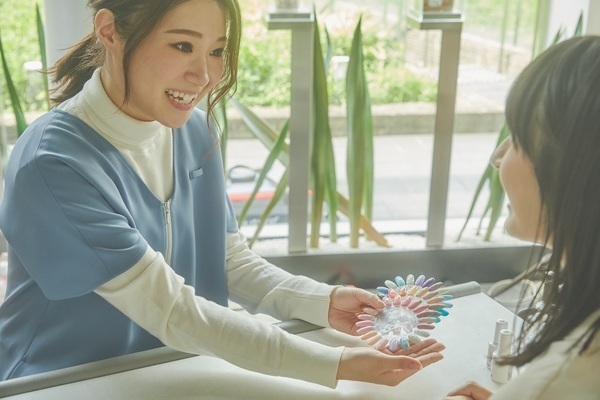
(553, 114)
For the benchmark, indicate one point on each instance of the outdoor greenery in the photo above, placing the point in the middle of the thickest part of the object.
(19, 36)
(265, 61)
(515, 19)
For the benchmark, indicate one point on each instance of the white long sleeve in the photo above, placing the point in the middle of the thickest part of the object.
(262, 287)
(157, 299)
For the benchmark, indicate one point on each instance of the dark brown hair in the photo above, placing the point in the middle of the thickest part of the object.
(553, 114)
(134, 20)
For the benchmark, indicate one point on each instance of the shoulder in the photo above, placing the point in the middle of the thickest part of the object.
(58, 138)
(58, 129)
(576, 378)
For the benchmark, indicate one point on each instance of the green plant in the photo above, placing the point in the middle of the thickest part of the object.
(42, 45)
(323, 177)
(495, 202)
(359, 166)
(15, 101)
(264, 74)
(491, 177)
(268, 136)
(279, 150)
(12, 92)
(20, 42)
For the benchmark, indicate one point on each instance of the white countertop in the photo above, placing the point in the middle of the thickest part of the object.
(465, 332)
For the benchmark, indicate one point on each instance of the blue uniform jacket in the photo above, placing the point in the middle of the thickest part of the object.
(76, 215)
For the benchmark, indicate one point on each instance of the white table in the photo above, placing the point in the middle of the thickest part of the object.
(465, 332)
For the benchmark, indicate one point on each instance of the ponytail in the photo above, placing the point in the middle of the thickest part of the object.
(75, 68)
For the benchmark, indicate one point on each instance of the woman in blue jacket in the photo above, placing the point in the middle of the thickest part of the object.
(121, 235)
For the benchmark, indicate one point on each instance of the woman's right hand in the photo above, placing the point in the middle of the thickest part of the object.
(366, 364)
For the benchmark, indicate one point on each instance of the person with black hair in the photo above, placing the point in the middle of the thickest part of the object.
(549, 168)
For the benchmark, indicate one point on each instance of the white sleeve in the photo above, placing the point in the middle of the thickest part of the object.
(262, 287)
(156, 298)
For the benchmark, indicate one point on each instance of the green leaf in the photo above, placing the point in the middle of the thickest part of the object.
(359, 166)
(261, 130)
(323, 177)
(273, 155)
(495, 200)
(42, 44)
(12, 92)
(279, 192)
(579, 27)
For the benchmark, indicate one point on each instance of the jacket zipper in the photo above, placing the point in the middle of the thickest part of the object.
(168, 230)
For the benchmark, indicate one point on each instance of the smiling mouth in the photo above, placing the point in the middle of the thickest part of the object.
(180, 97)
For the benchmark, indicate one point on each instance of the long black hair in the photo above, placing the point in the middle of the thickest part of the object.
(553, 113)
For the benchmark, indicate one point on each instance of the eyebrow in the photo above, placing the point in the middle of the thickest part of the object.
(193, 33)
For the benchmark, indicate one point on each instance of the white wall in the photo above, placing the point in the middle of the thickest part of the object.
(565, 13)
(593, 23)
(66, 22)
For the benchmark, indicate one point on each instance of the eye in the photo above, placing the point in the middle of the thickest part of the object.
(217, 52)
(184, 47)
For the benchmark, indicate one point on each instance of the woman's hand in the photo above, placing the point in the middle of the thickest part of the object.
(366, 364)
(345, 303)
(470, 391)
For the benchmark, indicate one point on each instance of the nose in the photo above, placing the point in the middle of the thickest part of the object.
(198, 73)
(499, 153)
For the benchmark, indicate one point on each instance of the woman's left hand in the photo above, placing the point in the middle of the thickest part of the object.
(470, 391)
(344, 305)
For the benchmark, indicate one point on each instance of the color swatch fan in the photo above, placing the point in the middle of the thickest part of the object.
(412, 308)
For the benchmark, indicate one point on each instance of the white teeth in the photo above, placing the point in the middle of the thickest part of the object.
(180, 97)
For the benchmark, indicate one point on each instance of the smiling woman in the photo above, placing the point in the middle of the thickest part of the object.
(175, 49)
(176, 58)
(136, 244)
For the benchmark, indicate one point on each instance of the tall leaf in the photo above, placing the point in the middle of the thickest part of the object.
(323, 177)
(261, 130)
(273, 155)
(279, 192)
(494, 186)
(44, 59)
(359, 164)
(12, 93)
(579, 27)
